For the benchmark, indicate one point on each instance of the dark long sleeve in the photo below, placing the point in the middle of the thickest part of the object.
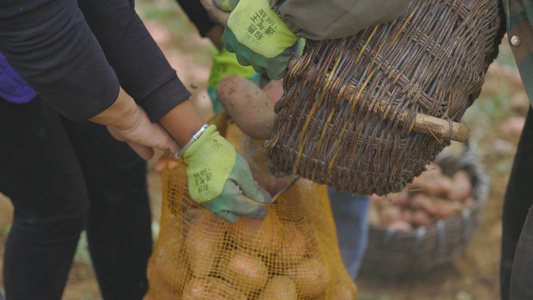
(77, 67)
(198, 15)
(141, 67)
(49, 44)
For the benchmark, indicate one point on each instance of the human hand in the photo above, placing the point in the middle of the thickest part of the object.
(259, 38)
(166, 162)
(224, 64)
(142, 136)
(221, 180)
(128, 122)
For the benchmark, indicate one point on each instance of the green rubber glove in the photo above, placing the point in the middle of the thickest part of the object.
(225, 63)
(225, 5)
(221, 180)
(259, 38)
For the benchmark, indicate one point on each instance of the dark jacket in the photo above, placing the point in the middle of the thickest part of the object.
(519, 15)
(75, 54)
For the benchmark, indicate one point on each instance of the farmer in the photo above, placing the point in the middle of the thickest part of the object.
(271, 55)
(94, 60)
(516, 270)
(349, 211)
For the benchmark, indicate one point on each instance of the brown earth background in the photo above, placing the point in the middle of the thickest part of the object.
(496, 120)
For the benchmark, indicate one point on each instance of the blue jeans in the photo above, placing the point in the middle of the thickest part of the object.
(350, 214)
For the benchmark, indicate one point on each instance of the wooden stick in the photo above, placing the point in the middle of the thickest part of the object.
(439, 128)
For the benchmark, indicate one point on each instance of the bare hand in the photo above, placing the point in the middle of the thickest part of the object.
(142, 136)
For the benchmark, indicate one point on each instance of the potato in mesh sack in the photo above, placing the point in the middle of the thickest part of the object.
(291, 254)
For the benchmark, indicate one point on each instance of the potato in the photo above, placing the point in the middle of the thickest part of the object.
(420, 201)
(406, 215)
(167, 259)
(421, 218)
(248, 273)
(247, 105)
(210, 289)
(294, 245)
(443, 186)
(427, 182)
(446, 208)
(158, 287)
(280, 288)
(389, 214)
(263, 236)
(341, 290)
(461, 186)
(311, 277)
(400, 225)
(400, 199)
(469, 202)
(274, 90)
(203, 242)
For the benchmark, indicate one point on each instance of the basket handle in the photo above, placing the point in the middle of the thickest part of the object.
(439, 128)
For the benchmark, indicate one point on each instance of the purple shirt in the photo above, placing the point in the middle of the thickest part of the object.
(13, 88)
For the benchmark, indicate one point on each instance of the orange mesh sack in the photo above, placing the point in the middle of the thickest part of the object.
(292, 254)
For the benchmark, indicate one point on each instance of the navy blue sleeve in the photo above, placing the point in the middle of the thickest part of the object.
(51, 46)
(141, 67)
(198, 15)
(76, 56)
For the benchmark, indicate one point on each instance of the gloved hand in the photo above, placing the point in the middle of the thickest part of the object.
(224, 64)
(225, 5)
(257, 35)
(221, 180)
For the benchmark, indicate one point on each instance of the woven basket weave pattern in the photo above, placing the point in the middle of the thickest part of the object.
(349, 110)
(406, 253)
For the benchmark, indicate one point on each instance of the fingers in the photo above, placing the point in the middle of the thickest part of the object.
(143, 151)
(249, 208)
(166, 162)
(228, 216)
(242, 177)
(145, 136)
(242, 206)
(232, 204)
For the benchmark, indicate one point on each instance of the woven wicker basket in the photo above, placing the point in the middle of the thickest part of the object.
(366, 113)
(406, 253)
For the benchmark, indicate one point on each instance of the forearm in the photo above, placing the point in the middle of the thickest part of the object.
(182, 122)
(121, 113)
(139, 63)
(51, 47)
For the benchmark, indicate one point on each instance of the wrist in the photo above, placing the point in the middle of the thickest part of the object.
(182, 122)
(194, 138)
(123, 113)
(204, 138)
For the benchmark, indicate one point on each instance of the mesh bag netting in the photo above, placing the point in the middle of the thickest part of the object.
(366, 113)
(292, 254)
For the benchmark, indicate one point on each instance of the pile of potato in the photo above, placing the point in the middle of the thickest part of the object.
(251, 259)
(430, 197)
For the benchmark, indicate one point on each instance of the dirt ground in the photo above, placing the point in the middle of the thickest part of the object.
(495, 120)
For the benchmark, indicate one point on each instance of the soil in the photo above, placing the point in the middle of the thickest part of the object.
(472, 275)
